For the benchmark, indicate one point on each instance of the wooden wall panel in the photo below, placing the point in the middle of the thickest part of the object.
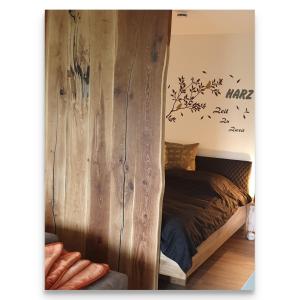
(105, 73)
(102, 44)
(138, 79)
(55, 112)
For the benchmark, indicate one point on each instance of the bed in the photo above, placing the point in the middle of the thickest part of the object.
(201, 210)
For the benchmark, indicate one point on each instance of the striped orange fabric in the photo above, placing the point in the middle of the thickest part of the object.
(52, 253)
(60, 267)
(71, 272)
(88, 275)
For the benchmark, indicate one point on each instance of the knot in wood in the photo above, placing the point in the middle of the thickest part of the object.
(131, 185)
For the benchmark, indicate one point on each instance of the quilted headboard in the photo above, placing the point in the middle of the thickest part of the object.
(238, 171)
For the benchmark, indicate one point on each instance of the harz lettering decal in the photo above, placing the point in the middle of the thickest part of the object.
(239, 94)
(219, 110)
(234, 129)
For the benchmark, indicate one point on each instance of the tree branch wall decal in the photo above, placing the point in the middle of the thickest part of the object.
(185, 97)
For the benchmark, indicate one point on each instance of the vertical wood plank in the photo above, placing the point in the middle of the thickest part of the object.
(121, 224)
(77, 139)
(102, 46)
(67, 124)
(56, 116)
(142, 46)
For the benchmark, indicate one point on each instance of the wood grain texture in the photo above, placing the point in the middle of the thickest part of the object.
(170, 268)
(105, 75)
(55, 117)
(102, 44)
(67, 137)
(228, 268)
(139, 78)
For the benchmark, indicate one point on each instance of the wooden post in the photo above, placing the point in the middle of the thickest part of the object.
(105, 77)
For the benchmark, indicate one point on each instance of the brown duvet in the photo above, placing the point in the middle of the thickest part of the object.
(201, 202)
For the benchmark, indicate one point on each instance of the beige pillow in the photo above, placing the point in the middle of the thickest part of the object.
(180, 156)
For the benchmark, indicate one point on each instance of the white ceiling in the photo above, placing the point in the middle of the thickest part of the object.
(213, 22)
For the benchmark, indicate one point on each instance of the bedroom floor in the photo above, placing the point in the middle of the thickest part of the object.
(227, 269)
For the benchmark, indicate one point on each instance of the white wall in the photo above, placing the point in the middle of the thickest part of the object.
(219, 55)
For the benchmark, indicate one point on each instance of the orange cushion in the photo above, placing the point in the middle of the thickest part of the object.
(52, 252)
(60, 267)
(73, 270)
(88, 275)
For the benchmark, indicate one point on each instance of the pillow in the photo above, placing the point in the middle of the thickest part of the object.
(180, 156)
(200, 181)
(71, 272)
(52, 253)
(223, 185)
(237, 171)
(87, 276)
(60, 267)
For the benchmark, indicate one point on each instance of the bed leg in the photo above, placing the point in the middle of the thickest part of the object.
(178, 281)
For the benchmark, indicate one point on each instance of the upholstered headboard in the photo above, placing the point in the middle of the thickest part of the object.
(238, 171)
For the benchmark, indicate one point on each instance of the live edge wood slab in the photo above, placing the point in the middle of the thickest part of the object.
(104, 126)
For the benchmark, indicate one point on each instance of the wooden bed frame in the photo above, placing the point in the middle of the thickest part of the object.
(170, 268)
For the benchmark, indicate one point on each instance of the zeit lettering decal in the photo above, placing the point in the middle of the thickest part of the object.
(219, 110)
(239, 94)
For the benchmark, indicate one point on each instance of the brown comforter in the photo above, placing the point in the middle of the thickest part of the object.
(196, 203)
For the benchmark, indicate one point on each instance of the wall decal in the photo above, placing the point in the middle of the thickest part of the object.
(219, 110)
(184, 97)
(233, 77)
(246, 112)
(234, 129)
(239, 94)
(208, 117)
(224, 120)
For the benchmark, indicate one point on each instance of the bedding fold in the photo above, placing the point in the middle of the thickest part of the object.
(196, 204)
